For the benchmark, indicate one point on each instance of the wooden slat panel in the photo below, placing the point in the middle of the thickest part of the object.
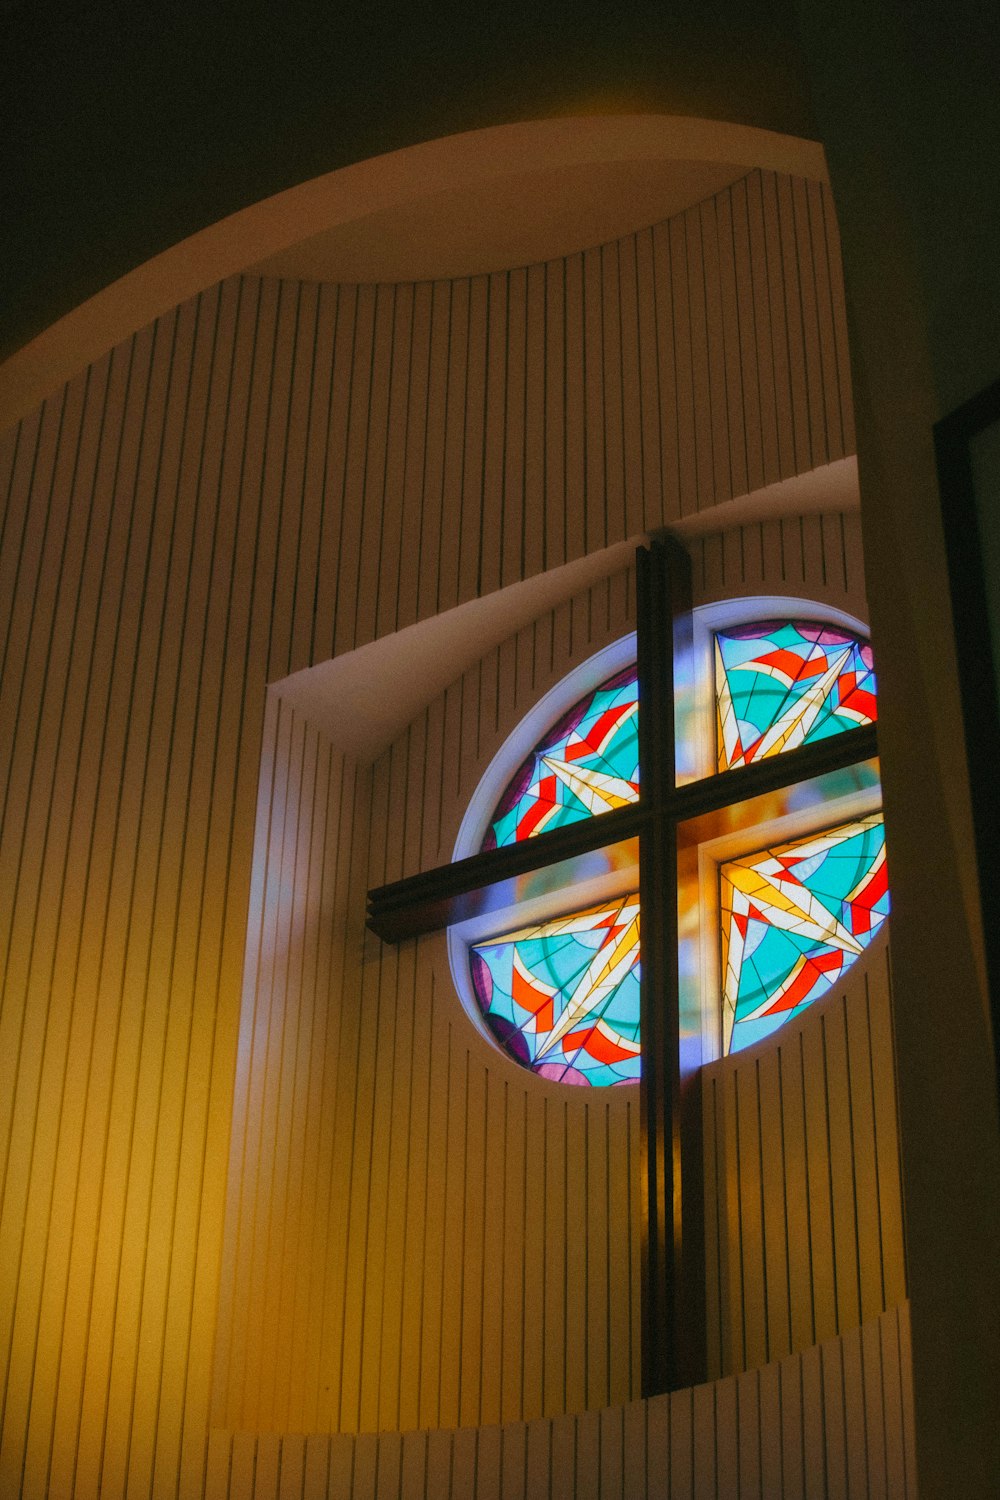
(473, 429)
(391, 541)
(635, 400)
(514, 1267)
(751, 1209)
(843, 1189)
(587, 1456)
(775, 353)
(242, 1461)
(868, 1209)
(855, 1414)
(875, 1415)
(774, 1197)
(147, 1049)
(820, 1196)
(770, 1428)
(318, 344)
(490, 479)
(516, 520)
(443, 592)
(488, 1260)
(813, 556)
(655, 338)
(435, 1226)
(439, 1464)
(338, 416)
(612, 1438)
(333, 1466)
(318, 1469)
(463, 1472)
(797, 1207)
(688, 427)
(614, 403)
(835, 1429)
(55, 1163)
(682, 1456)
(726, 1434)
(800, 237)
(787, 293)
(744, 473)
(562, 1475)
(721, 427)
(367, 1464)
(574, 1248)
(839, 315)
(893, 1374)
(809, 1235)
(267, 1466)
(513, 1461)
(293, 1466)
(302, 337)
(536, 539)
(271, 473)
(375, 549)
(749, 1436)
(596, 1225)
(705, 1478)
(538, 1458)
(217, 1465)
(456, 1292)
(816, 196)
(716, 1273)
(364, 354)
(594, 411)
(792, 1456)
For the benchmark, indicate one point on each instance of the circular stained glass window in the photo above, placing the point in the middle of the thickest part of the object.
(561, 993)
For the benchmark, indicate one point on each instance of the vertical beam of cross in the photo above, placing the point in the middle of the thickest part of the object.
(672, 1251)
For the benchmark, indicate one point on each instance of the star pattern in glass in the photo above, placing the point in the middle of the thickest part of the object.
(586, 764)
(783, 683)
(562, 997)
(794, 919)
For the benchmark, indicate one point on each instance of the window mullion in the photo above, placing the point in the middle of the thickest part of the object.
(673, 1259)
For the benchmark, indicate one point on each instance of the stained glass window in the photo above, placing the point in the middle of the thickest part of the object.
(587, 763)
(563, 996)
(783, 683)
(794, 919)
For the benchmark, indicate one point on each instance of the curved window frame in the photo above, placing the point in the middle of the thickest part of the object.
(699, 940)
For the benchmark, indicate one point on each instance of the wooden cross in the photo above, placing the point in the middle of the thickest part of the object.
(673, 1256)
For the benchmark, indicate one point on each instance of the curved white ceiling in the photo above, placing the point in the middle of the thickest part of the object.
(482, 200)
(513, 220)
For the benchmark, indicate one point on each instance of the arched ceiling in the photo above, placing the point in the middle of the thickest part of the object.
(128, 129)
(478, 201)
(528, 216)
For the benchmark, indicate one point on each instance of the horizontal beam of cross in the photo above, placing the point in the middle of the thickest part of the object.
(468, 887)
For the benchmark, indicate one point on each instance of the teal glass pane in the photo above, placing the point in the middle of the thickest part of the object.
(587, 763)
(794, 920)
(783, 683)
(562, 997)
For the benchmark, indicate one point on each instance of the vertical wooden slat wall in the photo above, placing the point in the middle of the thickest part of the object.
(271, 474)
(833, 1422)
(804, 1221)
(454, 1295)
(813, 557)
(452, 1167)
